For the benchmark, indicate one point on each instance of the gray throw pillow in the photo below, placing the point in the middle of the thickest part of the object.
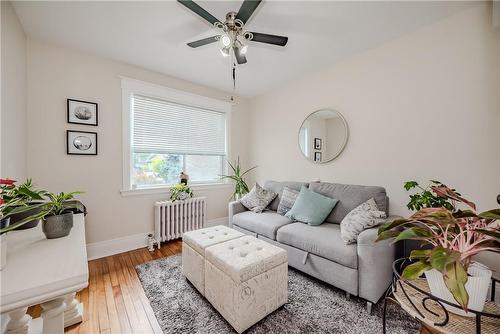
(258, 198)
(287, 200)
(364, 216)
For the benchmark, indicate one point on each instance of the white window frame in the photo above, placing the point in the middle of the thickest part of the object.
(132, 86)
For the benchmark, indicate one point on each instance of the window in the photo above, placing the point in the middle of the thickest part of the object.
(167, 131)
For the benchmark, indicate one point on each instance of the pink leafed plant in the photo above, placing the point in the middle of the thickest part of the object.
(456, 235)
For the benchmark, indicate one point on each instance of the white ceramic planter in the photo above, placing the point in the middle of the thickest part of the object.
(477, 287)
(3, 255)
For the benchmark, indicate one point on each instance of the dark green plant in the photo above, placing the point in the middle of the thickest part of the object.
(13, 196)
(240, 185)
(426, 198)
(56, 204)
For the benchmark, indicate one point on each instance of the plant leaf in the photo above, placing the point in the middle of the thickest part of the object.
(420, 254)
(415, 270)
(441, 257)
(389, 234)
(410, 184)
(455, 278)
(392, 224)
(490, 214)
(414, 233)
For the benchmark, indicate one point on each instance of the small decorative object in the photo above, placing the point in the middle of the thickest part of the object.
(240, 185)
(81, 143)
(455, 236)
(13, 196)
(82, 112)
(184, 178)
(151, 242)
(317, 156)
(317, 143)
(180, 192)
(56, 213)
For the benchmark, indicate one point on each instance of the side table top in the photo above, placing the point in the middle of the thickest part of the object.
(39, 269)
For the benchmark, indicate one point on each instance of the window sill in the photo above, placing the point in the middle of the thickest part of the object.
(166, 189)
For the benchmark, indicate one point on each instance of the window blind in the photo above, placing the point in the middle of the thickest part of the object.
(166, 127)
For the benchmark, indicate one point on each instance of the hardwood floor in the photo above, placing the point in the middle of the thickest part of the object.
(114, 301)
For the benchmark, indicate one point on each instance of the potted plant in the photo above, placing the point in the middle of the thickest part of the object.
(423, 197)
(180, 191)
(13, 196)
(455, 236)
(56, 214)
(240, 186)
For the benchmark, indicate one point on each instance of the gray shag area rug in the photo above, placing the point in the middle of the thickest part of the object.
(313, 307)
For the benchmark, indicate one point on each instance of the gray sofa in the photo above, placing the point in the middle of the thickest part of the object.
(362, 269)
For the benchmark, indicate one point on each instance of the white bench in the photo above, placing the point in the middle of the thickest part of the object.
(194, 244)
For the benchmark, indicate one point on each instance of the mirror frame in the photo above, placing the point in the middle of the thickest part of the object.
(344, 144)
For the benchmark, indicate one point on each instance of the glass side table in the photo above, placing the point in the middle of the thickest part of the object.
(415, 298)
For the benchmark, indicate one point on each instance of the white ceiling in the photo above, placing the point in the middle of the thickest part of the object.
(153, 35)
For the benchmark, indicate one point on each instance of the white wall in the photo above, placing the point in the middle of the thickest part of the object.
(55, 74)
(13, 112)
(423, 106)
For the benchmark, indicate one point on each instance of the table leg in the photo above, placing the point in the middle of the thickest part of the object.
(53, 317)
(19, 321)
(73, 312)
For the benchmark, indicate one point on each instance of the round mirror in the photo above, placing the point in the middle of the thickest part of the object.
(323, 135)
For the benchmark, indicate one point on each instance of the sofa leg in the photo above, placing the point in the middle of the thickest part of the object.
(369, 306)
(347, 295)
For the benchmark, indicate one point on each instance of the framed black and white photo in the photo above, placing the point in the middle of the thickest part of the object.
(317, 156)
(317, 143)
(81, 142)
(82, 112)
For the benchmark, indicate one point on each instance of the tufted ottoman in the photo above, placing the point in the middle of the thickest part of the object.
(245, 280)
(194, 244)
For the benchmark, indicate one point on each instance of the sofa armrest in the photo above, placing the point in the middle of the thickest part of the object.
(374, 263)
(235, 207)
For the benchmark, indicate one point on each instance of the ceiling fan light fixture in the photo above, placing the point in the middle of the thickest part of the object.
(225, 40)
(242, 48)
(225, 51)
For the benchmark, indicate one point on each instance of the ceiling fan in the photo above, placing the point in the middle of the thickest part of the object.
(233, 33)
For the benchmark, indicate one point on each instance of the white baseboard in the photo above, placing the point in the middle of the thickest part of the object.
(110, 247)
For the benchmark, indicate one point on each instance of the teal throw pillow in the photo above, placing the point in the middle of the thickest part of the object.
(311, 208)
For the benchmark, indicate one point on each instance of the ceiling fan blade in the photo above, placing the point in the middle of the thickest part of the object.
(240, 57)
(269, 39)
(247, 9)
(198, 10)
(204, 41)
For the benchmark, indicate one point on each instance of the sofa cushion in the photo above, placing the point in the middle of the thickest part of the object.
(323, 240)
(311, 208)
(258, 198)
(364, 216)
(350, 196)
(265, 223)
(277, 187)
(288, 198)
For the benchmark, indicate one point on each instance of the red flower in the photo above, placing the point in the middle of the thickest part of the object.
(7, 182)
(2, 201)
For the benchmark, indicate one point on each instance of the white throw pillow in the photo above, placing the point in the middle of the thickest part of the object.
(258, 198)
(364, 216)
